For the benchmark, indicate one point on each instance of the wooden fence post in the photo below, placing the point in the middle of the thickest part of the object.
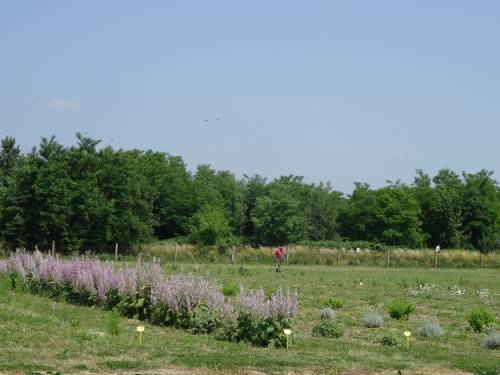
(287, 250)
(175, 253)
(337, 257)
(480, 259)
(116, 251)
(435, 259)
(388, 259)
(53, 247)
(232, 255)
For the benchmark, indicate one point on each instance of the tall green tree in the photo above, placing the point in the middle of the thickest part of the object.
(279, 216)
(389, 215)
(321, 208)
(10, 157)
(255, 187)
(210, 227)
(448, 208)
(481, 208)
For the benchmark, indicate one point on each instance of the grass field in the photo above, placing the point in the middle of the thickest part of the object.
(39, 334)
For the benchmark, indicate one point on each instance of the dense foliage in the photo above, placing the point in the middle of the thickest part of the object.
(86, 195)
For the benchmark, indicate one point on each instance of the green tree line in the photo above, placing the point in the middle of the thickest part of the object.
(86, 195)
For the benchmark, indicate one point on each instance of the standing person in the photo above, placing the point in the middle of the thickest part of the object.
(278, 257)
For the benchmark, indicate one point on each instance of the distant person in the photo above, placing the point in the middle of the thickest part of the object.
(278, 257)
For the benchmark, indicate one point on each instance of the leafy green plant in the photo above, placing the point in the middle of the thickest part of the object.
(230, 290)
(388, 340)
(479, 319)
(204, 321)
(335, 303)
(243, 271)
(327, 328)
(261, 332)
(400, 309)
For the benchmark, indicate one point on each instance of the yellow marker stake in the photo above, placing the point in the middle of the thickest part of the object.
(407, 334)
(140, 329)
(287, 332)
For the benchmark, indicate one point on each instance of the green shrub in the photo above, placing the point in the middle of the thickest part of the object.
(204, 321)
(479, 319)
(230, 290)
(400, 309)
(335, 303)
(388, 340)
(261, 332)
(327, 328)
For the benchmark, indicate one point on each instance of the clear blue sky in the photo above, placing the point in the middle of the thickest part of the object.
(336, 91)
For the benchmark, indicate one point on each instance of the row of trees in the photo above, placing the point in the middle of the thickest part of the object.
(85, 195)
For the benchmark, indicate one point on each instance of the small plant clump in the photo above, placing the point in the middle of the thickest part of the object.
(335, 303)
(373, 319)
(230, 290)
(492, 340)
(327, 328)
(431, 329)
(113, 323)
(479, 319)
(388, 340)
(327, 313)
(400, 310)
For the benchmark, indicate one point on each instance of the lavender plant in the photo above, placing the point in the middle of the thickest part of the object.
(141, 291)
(373, 319)
(492, 340)
(431, 329)
(262, 320)
(327, 313)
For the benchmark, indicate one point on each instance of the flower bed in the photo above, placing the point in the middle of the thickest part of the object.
(142, 291)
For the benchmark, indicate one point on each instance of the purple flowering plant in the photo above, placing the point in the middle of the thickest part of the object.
(142, 291)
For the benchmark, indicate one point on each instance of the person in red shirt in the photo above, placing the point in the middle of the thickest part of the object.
(278, 257)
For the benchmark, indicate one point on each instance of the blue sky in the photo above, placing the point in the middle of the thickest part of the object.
(336, 91)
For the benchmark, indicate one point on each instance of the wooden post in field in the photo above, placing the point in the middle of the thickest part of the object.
(175, 253)
(116, 251)
(53, 247)
(388, 259)
(287, 249)
(436, 259)
(232, 255)
(480, 259)
(337, 257)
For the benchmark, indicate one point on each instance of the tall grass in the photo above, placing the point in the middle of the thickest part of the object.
(298, 254)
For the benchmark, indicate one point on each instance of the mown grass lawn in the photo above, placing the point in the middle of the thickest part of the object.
(39, 334)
